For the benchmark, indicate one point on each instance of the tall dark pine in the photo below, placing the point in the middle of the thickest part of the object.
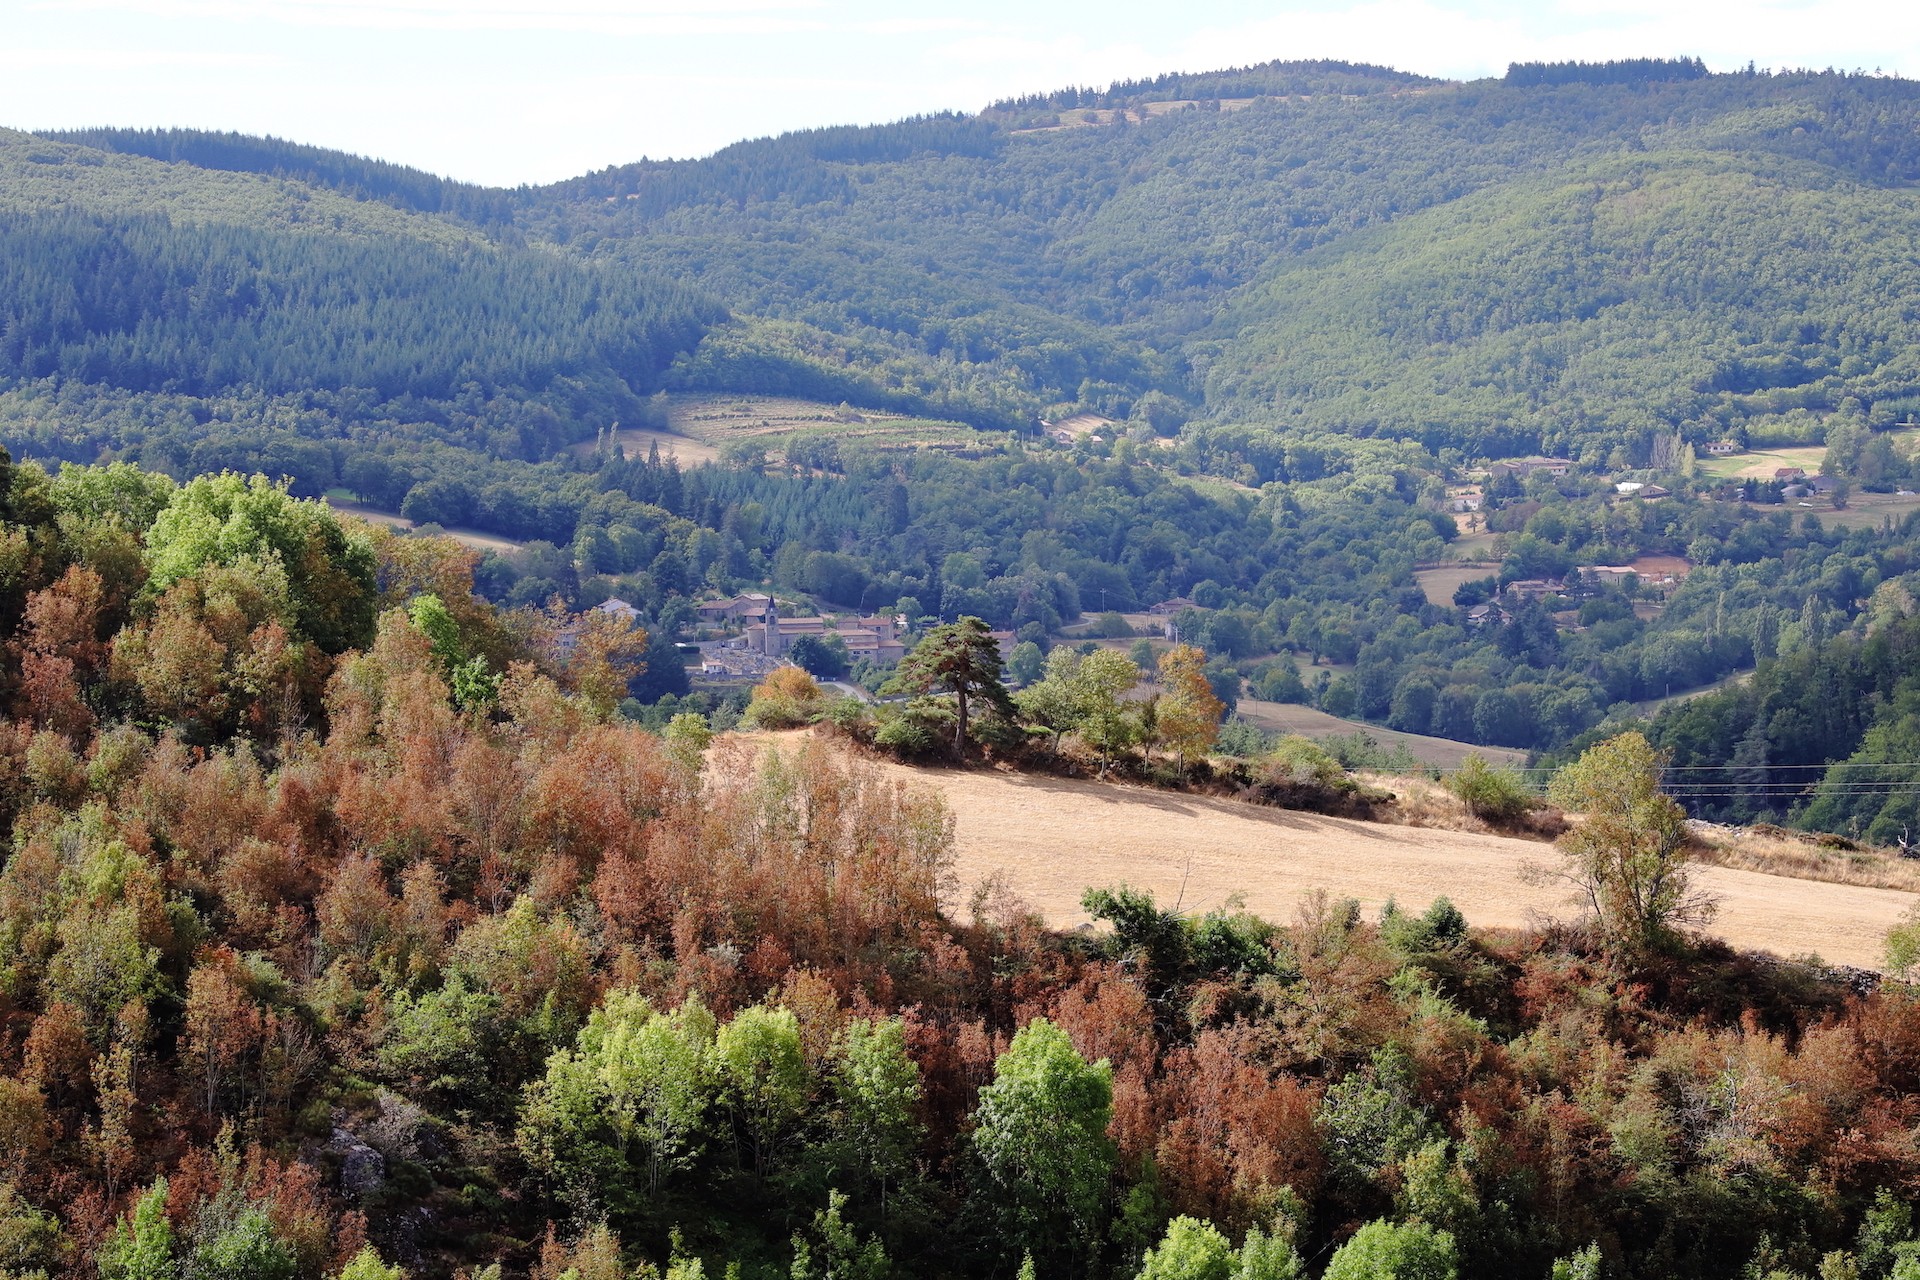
(960, 658)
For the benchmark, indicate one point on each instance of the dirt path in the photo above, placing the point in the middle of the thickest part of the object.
(1053, 837)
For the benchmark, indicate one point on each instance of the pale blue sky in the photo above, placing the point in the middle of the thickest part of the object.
(510, 91)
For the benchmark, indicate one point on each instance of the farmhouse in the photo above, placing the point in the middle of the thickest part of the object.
(618, 608)
(1789, 473)
(751, 606)
(1486, 615)
(1524, 589)
(1722, 448)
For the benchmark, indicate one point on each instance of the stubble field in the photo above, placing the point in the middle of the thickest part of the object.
(1051, 838)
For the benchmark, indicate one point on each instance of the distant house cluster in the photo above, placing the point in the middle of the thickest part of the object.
(1665, 572)
(1521, 468)
(878, 638)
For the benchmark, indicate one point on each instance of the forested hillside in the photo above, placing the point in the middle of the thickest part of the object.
(138, 293)
(991, 266)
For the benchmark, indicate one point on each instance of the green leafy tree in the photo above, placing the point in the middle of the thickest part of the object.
(833, 1250)
(1049, 703)
(1107, 723)
(1583, 1265)
(1268, 1257)
(763, 1075)
(140, 1247)
(31, 1242)
(227, 519)
(467, 676)
(1627, 857)
(876, 1085)
(1190, 1250)
(688, 736)
(1384, 1250)
(244, 1248)
(960, 658)
(1041, 1137)
(366, 1265)
(1026, 663)
(1372, 1119)
(822, 656)
(1496, 795)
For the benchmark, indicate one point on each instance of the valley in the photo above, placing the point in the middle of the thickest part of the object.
(656, 725)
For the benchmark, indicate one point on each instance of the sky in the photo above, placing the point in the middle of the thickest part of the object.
(526, 91)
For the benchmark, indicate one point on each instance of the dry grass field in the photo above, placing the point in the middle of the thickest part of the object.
(465, 537)
(637, 440)
(1048, 839)
(1439, 584)
(1444, 753)
(1869, 510)
(1473, 547)
(1762, 463)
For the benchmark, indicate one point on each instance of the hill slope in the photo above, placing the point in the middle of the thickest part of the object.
(992, 266)
(1051, 838)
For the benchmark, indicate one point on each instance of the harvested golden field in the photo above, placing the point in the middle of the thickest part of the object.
(1051, 838)
(394, 520)
(1444, 753)
(1438, 584)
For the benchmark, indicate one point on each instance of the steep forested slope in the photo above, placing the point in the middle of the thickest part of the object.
(141, 276)
(982, 257)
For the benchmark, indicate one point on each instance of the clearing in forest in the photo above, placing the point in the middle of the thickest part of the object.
(1444, 753)
(1440, 582)
(718, 420)
(474, 538)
